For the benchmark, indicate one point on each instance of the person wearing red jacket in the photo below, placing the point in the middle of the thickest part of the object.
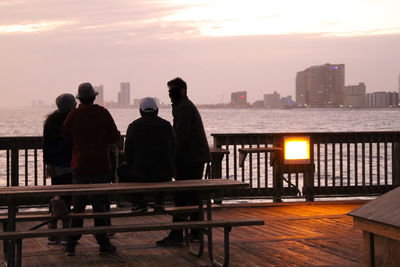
(92, 130)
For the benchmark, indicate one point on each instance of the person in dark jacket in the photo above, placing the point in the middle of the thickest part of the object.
(192, 151)
(92, 130)
(57, 152)
(149, 149)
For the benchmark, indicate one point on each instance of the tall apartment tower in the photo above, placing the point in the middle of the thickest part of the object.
(124, 95)
(320, 86)
(239, 99)
(100, 97)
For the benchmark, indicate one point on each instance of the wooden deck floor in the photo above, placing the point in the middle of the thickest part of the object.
(293, 235)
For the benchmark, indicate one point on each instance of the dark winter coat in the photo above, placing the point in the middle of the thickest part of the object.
(150, 149)
(92, 130)
(57, 151)
(192, 145)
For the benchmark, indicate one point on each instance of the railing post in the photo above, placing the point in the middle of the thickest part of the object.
(396, 163)
(309, 176)
(14, 167)
(217, 155)
(277, 163)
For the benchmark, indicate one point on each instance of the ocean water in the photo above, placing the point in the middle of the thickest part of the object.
(29, 121)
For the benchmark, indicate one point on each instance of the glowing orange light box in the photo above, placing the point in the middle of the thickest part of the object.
(297, 150)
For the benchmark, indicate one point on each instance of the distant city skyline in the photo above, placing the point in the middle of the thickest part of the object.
(217, 47)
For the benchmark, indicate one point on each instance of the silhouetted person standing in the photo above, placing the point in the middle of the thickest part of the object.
(57, 152)
(92, 130)
(149, 149)
(192, 151)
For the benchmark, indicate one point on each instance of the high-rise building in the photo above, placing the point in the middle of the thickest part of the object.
(124, 95)
(272, 100)
(320, 86)
(355, 96)
(239, 99)
(100, 97)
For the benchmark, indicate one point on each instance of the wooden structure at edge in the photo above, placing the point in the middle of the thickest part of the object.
(380, 221)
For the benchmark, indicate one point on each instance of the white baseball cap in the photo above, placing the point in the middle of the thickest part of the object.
(148, 104)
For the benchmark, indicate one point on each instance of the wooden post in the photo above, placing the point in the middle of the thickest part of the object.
(309, 176)
(396, 163)
(277, 163)
(14, 167)
(216, 165)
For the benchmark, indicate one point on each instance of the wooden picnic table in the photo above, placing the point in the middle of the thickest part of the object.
(19, 195)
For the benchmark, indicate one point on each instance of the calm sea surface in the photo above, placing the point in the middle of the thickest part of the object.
(29, 121)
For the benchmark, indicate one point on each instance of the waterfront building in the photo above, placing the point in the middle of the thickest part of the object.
(382, 99)
(321, 86)
(355, 96)
(272, 100)
(124, 95)
(398, 83)
(239, 99)
(100, 97)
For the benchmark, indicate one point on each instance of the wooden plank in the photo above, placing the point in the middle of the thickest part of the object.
(129, 228)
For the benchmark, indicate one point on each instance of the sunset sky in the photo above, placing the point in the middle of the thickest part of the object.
(48, 47)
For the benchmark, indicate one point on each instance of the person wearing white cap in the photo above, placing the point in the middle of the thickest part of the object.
(149, 149)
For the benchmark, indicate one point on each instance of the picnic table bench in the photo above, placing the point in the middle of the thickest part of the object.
(13, 197)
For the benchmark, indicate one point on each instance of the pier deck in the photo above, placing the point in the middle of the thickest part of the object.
(294, 234)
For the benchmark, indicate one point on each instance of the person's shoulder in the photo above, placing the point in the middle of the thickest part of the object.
(163, 121)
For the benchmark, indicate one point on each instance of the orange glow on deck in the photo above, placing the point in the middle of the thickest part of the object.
(297, 150)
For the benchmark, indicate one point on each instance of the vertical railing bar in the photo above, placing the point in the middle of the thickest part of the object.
(226, 158)
(258, 166)
(348, 163)
(319, 163)
(363, 163)
(326, 163)
(333, 164)
(370, 163)
(356, 165)
(386, 162)
(250, 167)
(36, 166)
(341, 162)
(234, 159)
(243, 163)
(378, 162)
(297, 179)
(26, 167)
(266, 169)
(8, 167)
(289, 179)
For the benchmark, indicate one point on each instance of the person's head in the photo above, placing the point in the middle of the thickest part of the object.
(176, 89)
(86, 93)
(65, 102)
(148, 106)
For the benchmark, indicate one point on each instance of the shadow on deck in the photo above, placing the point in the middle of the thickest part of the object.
(295, 234)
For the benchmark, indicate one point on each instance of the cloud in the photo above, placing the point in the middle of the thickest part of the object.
(33, 27)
